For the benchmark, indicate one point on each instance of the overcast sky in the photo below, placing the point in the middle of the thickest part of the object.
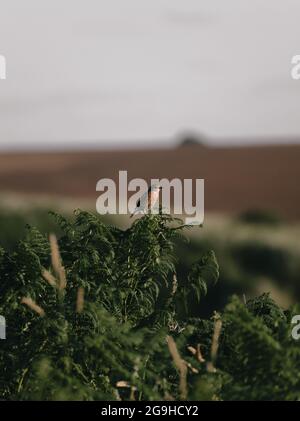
(117, 70)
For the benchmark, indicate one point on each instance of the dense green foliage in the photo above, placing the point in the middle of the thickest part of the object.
(117, 342)
(249, 252)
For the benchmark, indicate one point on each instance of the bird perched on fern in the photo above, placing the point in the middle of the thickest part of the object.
(148, 200)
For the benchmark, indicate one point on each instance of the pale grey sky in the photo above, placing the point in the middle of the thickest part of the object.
(117, 70)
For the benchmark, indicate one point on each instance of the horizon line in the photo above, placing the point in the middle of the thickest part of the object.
(153, 143)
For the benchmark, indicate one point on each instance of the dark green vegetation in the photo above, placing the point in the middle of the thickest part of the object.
(118, 320)
(13, 224)
(256, 252)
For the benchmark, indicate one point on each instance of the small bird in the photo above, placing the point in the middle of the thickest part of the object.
(148, 200)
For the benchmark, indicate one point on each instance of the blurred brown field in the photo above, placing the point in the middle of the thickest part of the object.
(236, 178)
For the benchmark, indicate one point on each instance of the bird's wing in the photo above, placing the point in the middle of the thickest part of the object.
(142, 200)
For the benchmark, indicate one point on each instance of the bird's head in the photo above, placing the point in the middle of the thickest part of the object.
(155, 187)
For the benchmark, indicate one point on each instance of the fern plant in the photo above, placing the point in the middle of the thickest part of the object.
(104, 314)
